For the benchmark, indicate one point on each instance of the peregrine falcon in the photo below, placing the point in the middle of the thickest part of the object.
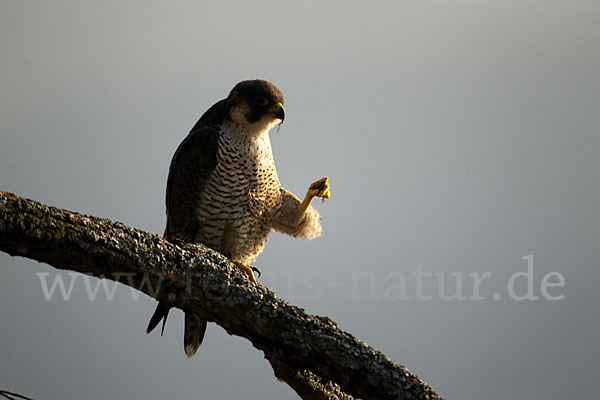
(223, 190)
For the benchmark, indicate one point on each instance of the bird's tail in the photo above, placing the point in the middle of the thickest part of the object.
(195, 327)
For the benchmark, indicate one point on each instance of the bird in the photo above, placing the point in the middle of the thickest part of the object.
(223, 190)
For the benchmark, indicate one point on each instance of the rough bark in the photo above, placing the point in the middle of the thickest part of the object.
(316, 358)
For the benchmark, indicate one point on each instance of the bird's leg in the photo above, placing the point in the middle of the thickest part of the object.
(319, 188)
(248, 269)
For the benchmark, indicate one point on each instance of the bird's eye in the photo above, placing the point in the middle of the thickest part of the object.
(261, 101)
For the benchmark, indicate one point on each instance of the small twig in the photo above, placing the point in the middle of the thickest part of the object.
(12, 395)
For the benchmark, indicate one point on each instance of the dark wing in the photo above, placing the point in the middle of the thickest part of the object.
(192, 164)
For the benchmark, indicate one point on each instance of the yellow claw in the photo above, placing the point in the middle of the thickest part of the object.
(320, 188)
(249, 270)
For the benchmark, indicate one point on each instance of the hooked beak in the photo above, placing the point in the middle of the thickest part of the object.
(278, 111)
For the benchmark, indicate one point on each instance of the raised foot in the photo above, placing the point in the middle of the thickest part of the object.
(319, 188)
(249, 269)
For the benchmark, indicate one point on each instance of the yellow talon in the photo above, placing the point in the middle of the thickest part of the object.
(319, 188)
(249, 270)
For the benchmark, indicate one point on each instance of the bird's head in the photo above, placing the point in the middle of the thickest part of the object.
(257, 104)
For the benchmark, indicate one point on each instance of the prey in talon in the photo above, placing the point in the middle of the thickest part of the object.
(223, 190)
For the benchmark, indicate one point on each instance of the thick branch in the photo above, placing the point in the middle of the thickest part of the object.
(309, 352)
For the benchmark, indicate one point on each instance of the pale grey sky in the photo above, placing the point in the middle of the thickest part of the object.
(459, 137)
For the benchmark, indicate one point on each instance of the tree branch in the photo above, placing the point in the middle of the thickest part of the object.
(310, 353)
